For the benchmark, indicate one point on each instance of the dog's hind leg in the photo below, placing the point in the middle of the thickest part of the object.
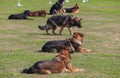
(61, 30)
(47, 31)
(53, 31)
(69, 30)
(44, 71)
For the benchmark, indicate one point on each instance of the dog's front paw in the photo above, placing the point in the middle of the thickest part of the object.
(79, 70)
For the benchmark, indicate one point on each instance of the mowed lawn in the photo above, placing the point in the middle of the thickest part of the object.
(21, 39)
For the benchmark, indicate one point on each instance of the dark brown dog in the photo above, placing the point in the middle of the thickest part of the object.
(61, 21)
(74, 9)
(42, 13)
(73, 44)
(58, 64)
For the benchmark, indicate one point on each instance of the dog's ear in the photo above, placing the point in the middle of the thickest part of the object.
(81, 34)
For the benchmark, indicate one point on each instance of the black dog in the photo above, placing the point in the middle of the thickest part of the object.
(57, 7)
(20, 16)
(61, 21)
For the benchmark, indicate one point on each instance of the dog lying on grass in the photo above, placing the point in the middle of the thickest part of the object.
(20, 16)
(74, 9)
(61, 21)
(42, 13)
(73, 44)
(59, 64)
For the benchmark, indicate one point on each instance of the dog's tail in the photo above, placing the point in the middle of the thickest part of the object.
(31, 70)
(10, 17)
(26, 71)
(42, 27)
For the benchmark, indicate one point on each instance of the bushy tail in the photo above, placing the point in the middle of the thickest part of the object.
(30, 70)
(42, 27)
(27, 71)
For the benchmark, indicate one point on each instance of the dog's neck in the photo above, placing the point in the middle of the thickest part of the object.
(77, 41)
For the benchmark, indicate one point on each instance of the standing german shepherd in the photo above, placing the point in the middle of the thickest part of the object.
(58, 64)
(61, 21)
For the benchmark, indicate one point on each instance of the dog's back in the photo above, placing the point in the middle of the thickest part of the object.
(53, 46)
(17, 16)
(47, 66)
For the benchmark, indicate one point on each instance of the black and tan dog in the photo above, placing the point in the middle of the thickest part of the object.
(54, 46)
(57, 7)
(42, 13)
(61, 21)
(74, 9)
(20, 16)
(59, 64)
(73, 44)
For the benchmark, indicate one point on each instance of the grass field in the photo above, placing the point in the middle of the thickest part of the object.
(21, 39)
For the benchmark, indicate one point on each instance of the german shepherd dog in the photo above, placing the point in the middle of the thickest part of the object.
(59, 64)
(73, 44)
(74, 9)
(54, 46)
(61, 21)
(20, 16)
(57, 7)
(42, 13)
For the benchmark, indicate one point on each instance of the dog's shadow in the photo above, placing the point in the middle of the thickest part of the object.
(44, 34)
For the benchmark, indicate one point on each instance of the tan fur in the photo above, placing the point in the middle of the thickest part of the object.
(59, 64)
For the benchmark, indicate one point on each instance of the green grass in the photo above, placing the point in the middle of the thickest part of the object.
(21, 39)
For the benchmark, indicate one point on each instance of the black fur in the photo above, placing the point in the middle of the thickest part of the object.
(20, 16)
(56, 7)
(54, 46)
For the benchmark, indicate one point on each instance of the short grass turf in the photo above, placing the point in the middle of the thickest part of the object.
(21, 39)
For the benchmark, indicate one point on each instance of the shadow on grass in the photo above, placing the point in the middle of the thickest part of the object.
(45, 34)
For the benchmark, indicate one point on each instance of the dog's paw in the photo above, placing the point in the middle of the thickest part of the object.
(86, 51)
(79, 70)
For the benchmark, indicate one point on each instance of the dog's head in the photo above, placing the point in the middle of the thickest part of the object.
(76, 6)
(27, 12)
(64, 53)
(75, 21)
(75, 9)
(78, 36)
(61, 1)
